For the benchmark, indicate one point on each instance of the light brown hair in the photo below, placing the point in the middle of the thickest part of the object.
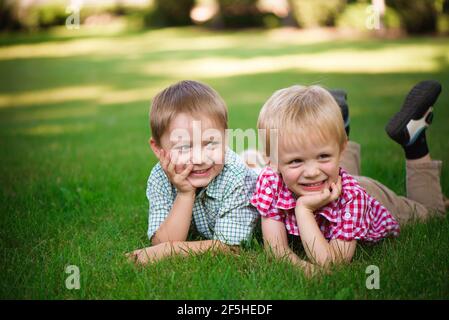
(187, 96)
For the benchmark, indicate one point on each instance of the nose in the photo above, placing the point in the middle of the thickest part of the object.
(197, 155)
(311, 170)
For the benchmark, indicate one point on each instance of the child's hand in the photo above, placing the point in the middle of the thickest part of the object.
(141, 256)
(178, 179)
(316, 201)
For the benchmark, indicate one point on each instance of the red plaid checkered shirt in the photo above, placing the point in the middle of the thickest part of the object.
(355, 215)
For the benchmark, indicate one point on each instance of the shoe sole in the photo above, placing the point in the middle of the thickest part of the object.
(415, 114)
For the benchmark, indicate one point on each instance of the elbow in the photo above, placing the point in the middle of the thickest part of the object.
(163, 237)
(154, 241)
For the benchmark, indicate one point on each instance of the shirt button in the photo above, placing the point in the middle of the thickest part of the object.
(347, 215)
(268, 190)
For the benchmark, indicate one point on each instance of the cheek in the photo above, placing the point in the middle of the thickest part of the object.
(331, 169)
(290, 176)
(216, 155)
(217, 169)
(184, 158)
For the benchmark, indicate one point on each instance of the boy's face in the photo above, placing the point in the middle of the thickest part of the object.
(197, 140)
(310, 167)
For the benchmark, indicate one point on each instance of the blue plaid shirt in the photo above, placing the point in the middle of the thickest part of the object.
(222, 210)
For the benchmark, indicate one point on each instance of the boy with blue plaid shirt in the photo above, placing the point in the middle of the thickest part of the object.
(198, 179)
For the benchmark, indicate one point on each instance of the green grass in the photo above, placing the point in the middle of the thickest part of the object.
(74, 159)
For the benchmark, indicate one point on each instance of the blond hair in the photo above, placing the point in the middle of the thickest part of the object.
(187, 96)
(303, 113)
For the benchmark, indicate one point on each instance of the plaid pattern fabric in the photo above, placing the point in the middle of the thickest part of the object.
(355, 215)
(222, 210)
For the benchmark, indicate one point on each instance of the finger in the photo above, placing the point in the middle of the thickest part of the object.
(325, 194)
(144, 256)
(334, 193)
(164, 160)
(328, 196)
(180, 163)
(320, 198)
(185, 173)
(131, 256)
(141, 258)
(338, 183)
(172, 163)
(336, 190)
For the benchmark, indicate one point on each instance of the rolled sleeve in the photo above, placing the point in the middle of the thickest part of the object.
(160, 198)
(238, 217)
(236, 226)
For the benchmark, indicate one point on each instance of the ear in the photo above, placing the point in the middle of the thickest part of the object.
(155, 147)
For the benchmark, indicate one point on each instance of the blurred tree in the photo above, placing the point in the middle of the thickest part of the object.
(314, 13)
(445, 6)
(356, 16)
(8, 15)
(172, 13)
(417, 16)
(240, 13)
(442, 7)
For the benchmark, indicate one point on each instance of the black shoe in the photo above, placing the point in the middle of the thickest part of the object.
(416, 113)
(341, 97)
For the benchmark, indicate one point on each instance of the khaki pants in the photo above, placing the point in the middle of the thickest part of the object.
(424, 196)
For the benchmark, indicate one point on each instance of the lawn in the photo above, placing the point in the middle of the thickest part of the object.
(74, 159)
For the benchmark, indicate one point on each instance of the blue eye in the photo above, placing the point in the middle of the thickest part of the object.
(211, 144)
(324, 156)
(295, 162)
(183, 148)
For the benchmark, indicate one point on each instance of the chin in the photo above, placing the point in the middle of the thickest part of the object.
(200, 183)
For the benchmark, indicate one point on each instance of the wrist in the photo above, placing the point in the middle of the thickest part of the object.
(301, 210)
(190, 194)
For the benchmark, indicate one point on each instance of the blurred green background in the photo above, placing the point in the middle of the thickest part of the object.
(74, 158)
(424, 16)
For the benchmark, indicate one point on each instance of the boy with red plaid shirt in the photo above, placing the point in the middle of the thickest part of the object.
(306, 192)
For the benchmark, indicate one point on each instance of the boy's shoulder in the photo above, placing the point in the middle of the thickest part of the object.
(157, 172)
(158, 178)
(236, 168)
(235, 173)
(235, 165)
(351, 189)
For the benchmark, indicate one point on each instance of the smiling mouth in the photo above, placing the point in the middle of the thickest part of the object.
(200, 173)
(313, 186)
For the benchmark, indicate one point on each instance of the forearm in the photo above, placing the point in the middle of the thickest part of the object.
(276, 243)
(283, 251)
(185, 248)
(316, 246)
(291, 256)
(177, 224)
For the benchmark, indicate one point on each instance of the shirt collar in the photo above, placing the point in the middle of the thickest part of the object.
(286, 199)
(233, 168)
